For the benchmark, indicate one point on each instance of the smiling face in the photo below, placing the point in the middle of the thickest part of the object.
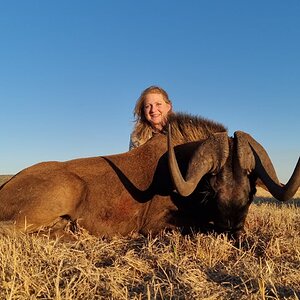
(156, 110)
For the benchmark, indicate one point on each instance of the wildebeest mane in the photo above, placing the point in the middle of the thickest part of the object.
(189, 128)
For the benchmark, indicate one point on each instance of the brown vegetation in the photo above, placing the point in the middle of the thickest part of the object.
(168, 266)
(4, 178)
(261, 193)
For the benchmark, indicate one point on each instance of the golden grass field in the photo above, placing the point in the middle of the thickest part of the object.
(169, 266)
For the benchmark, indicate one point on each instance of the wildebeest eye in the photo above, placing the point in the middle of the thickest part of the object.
(213, 181)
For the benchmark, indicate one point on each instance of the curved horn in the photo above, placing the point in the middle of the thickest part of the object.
(209, 157)
(252, 156)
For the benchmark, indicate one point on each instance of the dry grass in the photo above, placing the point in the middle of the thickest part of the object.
(169, 266)
(4, 178)
(261, 193)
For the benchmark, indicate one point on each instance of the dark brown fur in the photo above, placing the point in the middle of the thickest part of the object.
(124, 193)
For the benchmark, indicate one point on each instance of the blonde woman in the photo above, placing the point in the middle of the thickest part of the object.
(150, 112)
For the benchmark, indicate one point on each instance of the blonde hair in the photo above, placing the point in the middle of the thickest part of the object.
(143, 131)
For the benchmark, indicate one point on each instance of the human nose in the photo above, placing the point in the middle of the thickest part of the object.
(153, 108)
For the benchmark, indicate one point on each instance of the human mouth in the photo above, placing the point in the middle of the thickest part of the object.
(155, 116)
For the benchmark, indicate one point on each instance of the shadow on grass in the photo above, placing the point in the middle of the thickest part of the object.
(237, 285)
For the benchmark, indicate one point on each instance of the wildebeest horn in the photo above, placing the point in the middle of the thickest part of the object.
(209, 157)
(253, 157)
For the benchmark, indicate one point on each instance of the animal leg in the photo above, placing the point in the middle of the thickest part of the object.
(50, 204)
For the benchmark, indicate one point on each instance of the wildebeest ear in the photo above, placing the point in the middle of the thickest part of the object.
(252, 155)
(244, 152)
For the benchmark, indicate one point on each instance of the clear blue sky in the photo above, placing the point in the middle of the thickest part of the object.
(71, 72)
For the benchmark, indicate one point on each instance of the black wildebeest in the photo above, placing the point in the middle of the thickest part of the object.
(143, 190)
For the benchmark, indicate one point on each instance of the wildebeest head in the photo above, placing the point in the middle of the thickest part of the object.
(233, 166)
